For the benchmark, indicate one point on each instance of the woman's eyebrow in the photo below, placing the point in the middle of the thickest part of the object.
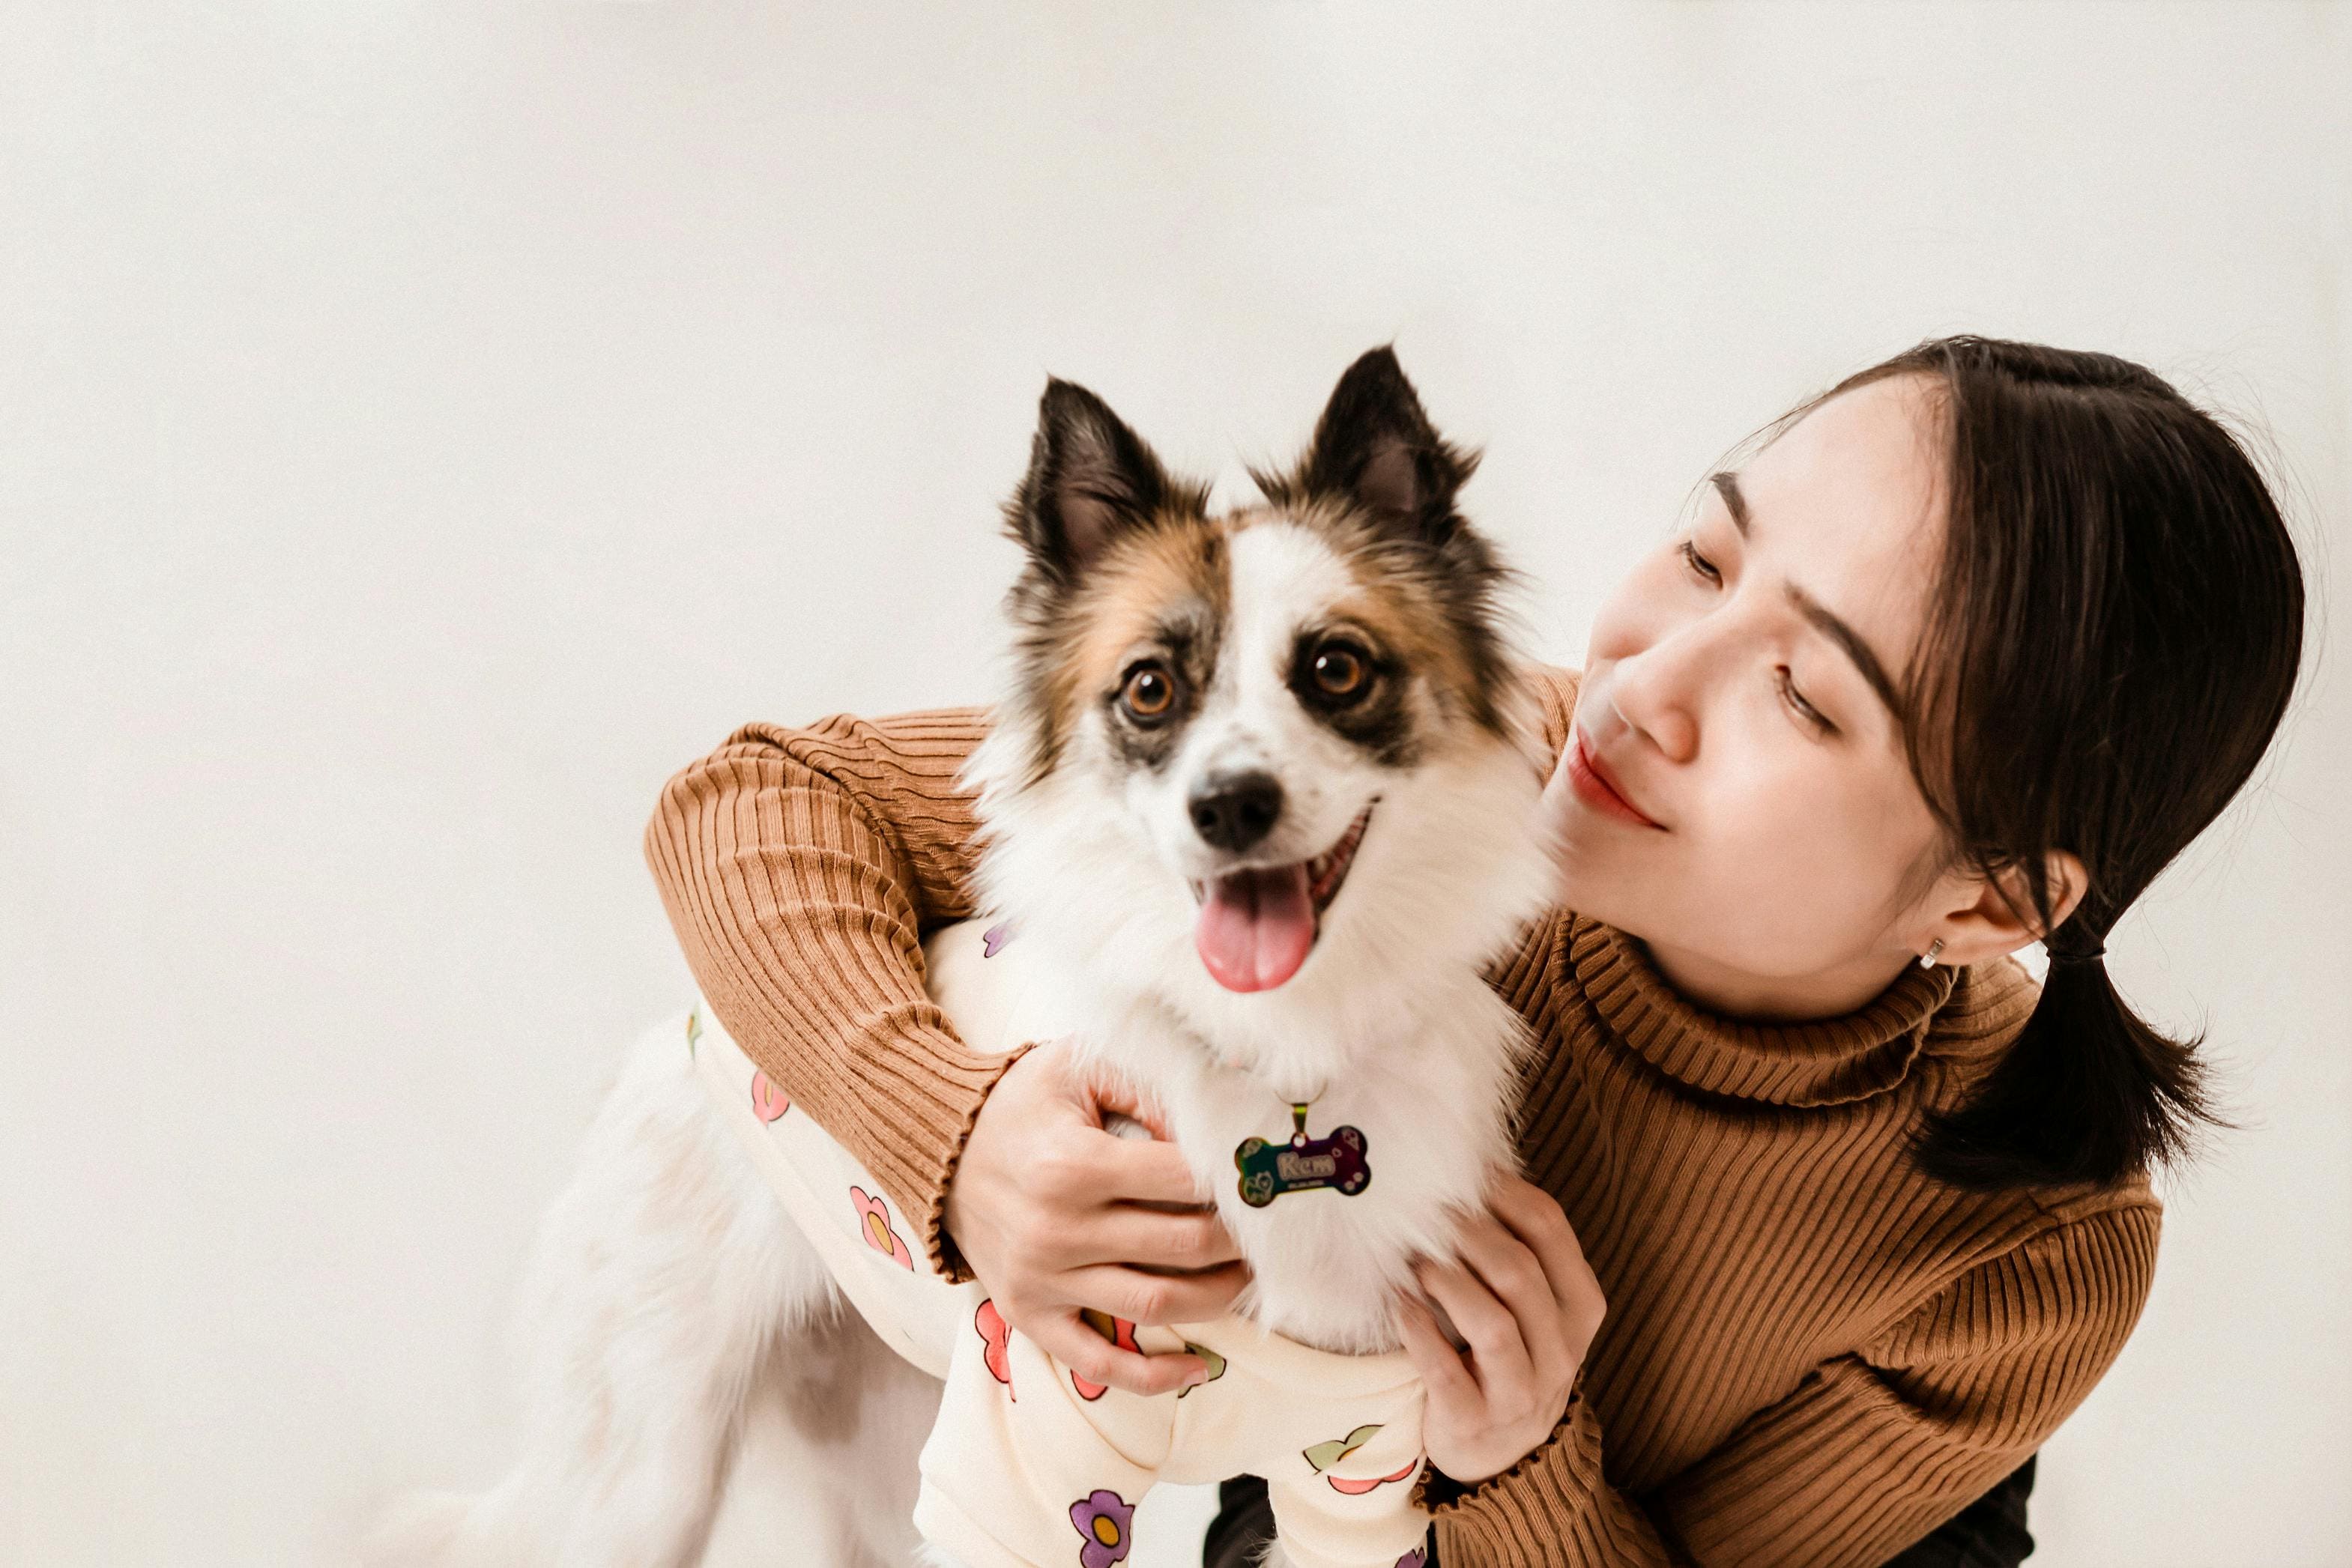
(1828, 622)
(1824, 620)
(1727, 487)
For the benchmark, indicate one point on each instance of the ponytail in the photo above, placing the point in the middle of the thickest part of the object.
(2087, 1092)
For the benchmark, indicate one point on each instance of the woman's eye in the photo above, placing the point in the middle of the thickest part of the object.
(1699, 563)
(1797, 703)
(1150, 693)
(1339, 671)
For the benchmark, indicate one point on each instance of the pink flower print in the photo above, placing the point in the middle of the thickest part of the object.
(874, 1223)
(1346, 1488)
(1104, 1518)
(1323, 1456)
(998, 1338)
(1118, 1331)
(768, 1101)
(1417, 1558)
(995, 937)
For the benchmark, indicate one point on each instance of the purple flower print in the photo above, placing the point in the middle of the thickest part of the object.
(1417, 1558)
(995, 936)
(1102, 1518)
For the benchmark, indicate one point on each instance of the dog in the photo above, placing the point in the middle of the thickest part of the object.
(1258, 809)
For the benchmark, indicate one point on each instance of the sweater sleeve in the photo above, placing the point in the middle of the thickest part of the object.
(801, 868)
(1870, 1452)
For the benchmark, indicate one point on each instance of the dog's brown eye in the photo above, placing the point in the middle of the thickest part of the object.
(1340, 671)
(1148, 693)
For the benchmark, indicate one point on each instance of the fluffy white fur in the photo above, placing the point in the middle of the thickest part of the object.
(669, 1292)
(1390, 1019)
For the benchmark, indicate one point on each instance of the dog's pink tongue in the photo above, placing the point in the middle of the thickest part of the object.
(1256, 927)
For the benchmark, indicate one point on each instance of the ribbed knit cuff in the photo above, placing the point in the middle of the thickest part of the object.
(1523, 1516)
(937, 1243)
(934, 1112)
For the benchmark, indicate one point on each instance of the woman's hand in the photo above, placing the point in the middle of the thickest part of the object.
(1046, 1207)
(1523, 1297)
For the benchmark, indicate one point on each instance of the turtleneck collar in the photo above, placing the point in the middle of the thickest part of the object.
(1823, 1061)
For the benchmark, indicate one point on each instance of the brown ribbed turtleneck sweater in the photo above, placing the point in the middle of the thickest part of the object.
(1813, 1355)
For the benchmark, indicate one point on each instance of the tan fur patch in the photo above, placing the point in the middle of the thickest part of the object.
(1181, 567)
(1395, 601)
(1180, 563)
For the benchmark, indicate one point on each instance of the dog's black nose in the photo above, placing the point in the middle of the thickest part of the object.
(1238, 810)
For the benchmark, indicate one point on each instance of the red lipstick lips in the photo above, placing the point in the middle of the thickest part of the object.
(1596, 789)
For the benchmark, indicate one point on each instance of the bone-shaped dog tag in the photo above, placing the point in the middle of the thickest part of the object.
(1303, 1164)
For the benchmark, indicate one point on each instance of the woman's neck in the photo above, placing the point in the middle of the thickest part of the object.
(1774, 998)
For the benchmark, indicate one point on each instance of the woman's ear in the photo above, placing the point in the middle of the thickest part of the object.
(1991, 917)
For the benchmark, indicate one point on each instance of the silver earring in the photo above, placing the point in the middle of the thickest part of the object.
(1927, 959)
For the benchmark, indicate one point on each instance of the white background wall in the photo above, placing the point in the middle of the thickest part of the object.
(422, 429)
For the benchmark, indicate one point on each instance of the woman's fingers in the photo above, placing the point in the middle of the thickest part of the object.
(1534, 1216)
(1189, 1242)
(1136, 1170)
(1525, 1343)
(1067, 1339)
(1453, 1393)
(1079, 1164)
(1114, 1099)
(1498, 1356)
(1142, 1298)
(1509, 1268)
(1104, 1206)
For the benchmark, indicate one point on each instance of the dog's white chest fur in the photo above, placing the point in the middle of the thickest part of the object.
(1391, 1030)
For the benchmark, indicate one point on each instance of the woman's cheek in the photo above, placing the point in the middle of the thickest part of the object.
(1777, 864)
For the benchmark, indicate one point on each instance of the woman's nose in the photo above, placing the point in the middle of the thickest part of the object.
(1656, 693)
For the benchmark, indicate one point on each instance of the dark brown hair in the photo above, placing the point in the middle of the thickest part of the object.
(2112, 640)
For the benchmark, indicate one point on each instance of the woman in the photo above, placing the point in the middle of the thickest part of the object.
(1964, 655)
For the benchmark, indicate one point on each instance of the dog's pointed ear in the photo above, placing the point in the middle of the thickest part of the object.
(1375, 447)
(1090, 479)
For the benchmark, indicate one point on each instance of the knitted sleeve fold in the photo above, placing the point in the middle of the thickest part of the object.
(1870, 1452)
(1553, 1507)
(800, 869)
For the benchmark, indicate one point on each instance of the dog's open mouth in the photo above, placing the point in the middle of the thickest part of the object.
(1258, 924)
